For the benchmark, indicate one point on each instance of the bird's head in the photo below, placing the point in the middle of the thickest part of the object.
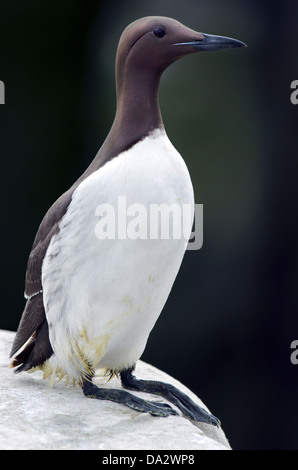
(152, 43)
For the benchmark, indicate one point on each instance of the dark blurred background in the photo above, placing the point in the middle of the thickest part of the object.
(227, 328)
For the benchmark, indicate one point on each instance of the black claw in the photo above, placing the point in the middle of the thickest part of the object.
(203, 416)
(187, 406)
(164, 405)
(121, 396)
(162, 411)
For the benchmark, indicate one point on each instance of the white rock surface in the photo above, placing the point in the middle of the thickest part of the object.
(35, 417)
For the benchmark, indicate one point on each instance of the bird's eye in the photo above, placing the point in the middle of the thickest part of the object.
(159, 32)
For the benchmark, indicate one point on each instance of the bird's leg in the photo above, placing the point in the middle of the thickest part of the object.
(121, 396)
(171, 393)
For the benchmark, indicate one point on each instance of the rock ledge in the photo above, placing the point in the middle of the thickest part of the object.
(38, 418)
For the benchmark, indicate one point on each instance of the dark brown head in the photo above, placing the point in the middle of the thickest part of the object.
(146, 48)
(149, 45)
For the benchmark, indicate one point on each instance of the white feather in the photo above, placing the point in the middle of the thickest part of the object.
(103, 297)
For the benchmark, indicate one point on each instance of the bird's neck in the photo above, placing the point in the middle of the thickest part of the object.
(138, 111)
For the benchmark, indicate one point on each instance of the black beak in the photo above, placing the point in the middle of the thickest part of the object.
(213, 43)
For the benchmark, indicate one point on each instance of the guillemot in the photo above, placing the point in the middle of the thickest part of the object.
(91, 303)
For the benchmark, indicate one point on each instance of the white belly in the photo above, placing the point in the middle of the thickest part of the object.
(103, 296)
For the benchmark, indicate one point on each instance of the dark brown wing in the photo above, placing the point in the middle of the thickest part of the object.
(33, 325)
(47, 228)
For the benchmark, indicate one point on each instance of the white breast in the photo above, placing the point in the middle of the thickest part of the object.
(102, 297)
